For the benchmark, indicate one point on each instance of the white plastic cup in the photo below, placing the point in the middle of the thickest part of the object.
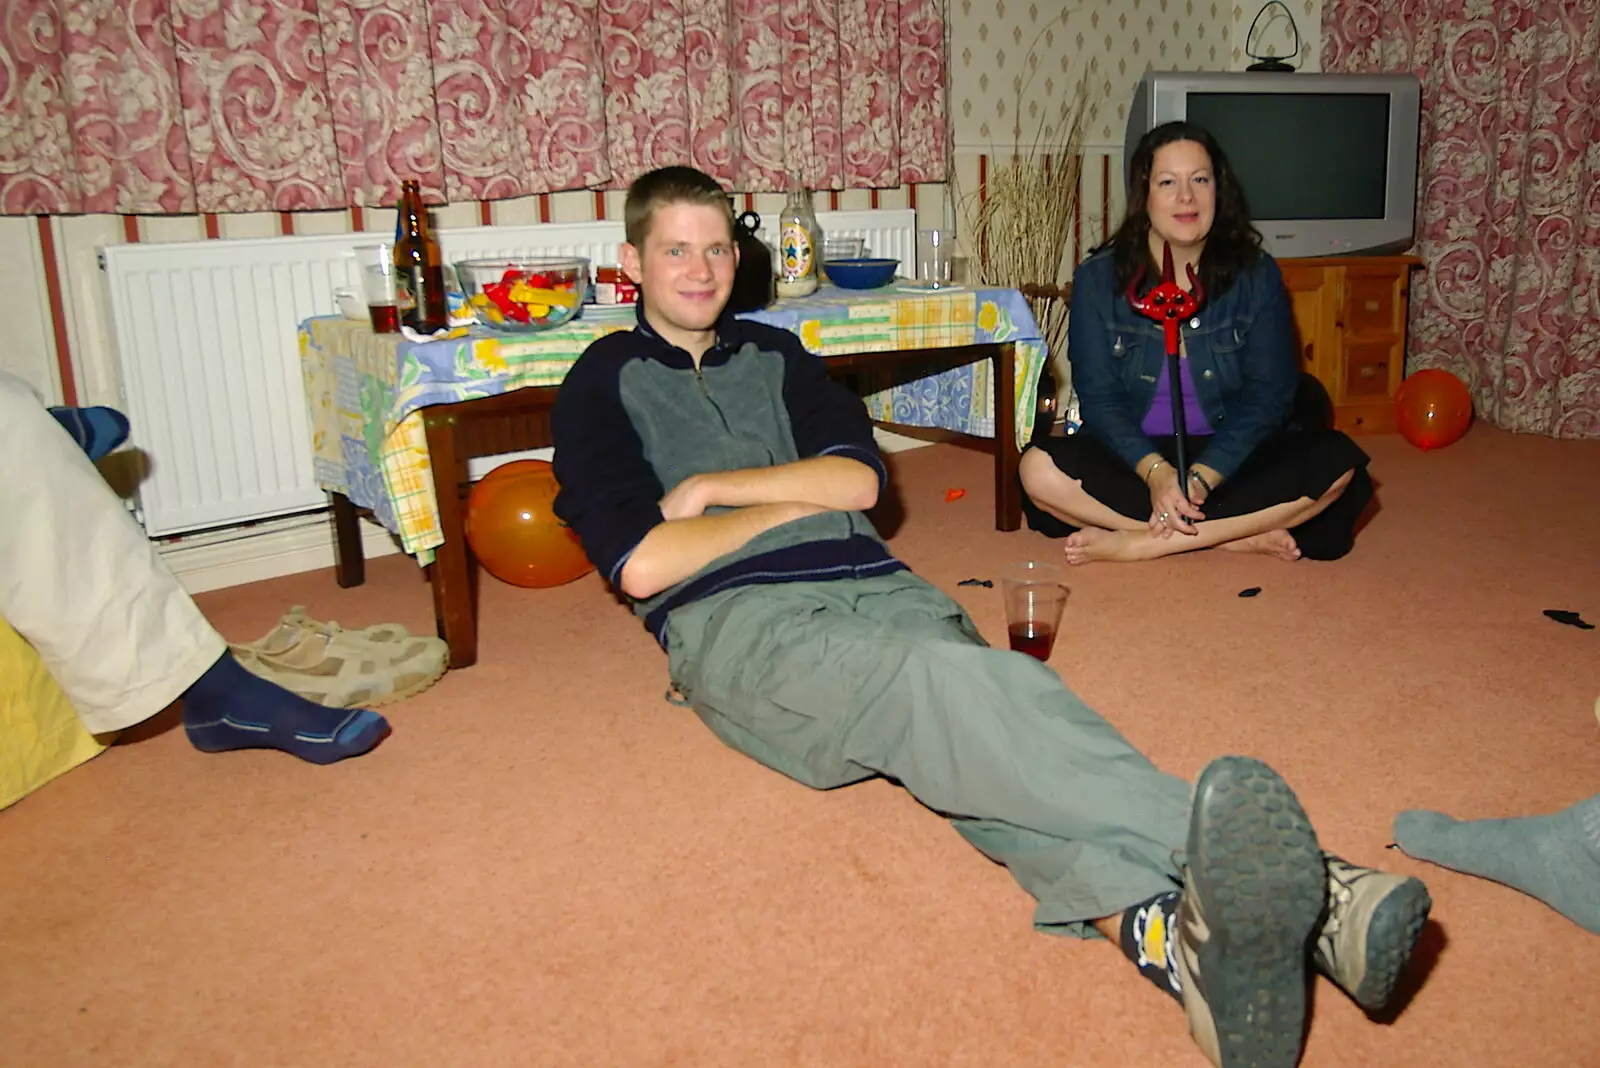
(933, 258)
(378, 283)
(1034, 597)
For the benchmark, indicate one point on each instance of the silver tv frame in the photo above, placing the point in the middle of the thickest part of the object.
(1163, 96)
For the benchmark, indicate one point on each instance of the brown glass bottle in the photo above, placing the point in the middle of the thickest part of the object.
(418, 266)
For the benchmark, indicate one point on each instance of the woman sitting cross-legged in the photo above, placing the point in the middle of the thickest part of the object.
(1259, 480)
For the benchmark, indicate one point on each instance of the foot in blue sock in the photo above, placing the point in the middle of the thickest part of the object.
(97, 430)
(1554, 858)
(229, 708)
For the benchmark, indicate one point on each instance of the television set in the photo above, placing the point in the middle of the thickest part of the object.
(1328, 162)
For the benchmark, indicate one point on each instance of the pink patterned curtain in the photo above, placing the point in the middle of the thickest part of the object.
(1509, 218)
(177, 106)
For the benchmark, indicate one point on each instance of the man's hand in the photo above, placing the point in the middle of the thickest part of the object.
(673, 551)
(686, 500)
(757, 500)
(835, 483)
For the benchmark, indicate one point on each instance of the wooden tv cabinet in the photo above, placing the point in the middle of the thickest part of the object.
(1350, 322)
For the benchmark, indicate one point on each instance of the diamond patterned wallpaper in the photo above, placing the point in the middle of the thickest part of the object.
(1014, 64)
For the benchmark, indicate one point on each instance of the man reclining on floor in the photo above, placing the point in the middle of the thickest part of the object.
(717, 478)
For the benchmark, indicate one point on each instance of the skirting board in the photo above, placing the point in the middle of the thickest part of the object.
(270, 550)
(305, 543)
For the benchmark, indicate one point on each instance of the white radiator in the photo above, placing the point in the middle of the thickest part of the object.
(205, 336)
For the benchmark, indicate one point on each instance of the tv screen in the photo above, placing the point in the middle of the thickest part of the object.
(1303, 155)
(1328, 162)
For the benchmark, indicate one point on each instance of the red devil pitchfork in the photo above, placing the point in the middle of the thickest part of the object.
(1169, 304)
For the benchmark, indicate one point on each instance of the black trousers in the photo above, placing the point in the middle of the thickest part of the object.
(1296, 463)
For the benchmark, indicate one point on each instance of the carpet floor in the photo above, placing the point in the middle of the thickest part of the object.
(548, 864)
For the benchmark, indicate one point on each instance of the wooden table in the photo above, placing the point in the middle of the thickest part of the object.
(520, 420)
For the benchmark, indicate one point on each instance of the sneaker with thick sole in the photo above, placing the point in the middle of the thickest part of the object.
(339, 668)
(1254, 888)
(1373, 921)
(293, 636)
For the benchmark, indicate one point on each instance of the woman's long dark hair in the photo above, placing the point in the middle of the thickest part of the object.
(1233, 243)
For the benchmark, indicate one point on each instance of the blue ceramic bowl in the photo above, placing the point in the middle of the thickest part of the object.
(861, 273)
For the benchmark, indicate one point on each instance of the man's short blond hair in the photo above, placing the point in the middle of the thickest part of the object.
(669, 185)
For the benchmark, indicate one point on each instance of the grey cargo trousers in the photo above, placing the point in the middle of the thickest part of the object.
(831, 683)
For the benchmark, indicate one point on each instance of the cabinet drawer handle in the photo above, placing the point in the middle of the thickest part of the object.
(1373, 305)
(1370, 370)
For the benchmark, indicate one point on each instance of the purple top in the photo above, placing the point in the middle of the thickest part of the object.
(1158, 420)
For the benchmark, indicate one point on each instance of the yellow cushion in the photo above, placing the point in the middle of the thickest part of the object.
(40, 736)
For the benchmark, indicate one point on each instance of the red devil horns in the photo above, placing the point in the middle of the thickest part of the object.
(1167, 300)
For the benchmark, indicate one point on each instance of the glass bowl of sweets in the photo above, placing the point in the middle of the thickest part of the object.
(523, 295)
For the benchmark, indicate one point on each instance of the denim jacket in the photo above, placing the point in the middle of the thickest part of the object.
(1241, 356)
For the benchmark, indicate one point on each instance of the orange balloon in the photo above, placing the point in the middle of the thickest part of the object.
(1432, 409)
(513, 530)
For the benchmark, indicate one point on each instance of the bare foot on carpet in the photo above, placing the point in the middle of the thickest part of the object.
(1279, 543)
(1089, 544)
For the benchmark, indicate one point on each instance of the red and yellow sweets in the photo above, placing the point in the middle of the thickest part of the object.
(523, 297)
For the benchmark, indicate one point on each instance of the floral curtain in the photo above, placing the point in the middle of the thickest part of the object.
(1509, 186)
(177, 106)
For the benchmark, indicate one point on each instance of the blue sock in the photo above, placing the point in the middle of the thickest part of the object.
(229, 708)
(96, 430)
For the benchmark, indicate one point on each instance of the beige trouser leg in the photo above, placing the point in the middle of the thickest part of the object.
(81, 582)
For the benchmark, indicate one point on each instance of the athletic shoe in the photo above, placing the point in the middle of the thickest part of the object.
(1373, 921)
(1254, 888)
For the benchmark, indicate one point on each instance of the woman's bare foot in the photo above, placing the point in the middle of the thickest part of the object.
(1279, 543)
(1089, 544)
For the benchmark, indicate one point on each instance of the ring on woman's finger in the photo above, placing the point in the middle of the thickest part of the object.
(1162, 518)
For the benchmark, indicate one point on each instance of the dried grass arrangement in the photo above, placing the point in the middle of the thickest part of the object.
(1017, 230)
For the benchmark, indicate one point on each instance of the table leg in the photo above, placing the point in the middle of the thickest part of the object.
(1007, 492)
(349, 560)
(455, 603)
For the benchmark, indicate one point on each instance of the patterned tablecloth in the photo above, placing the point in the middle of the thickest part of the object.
(365, 390)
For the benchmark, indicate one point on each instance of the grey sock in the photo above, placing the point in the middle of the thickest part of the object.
(1554, 858)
